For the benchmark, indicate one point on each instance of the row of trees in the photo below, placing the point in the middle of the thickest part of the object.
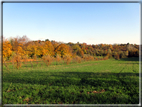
(23, 47)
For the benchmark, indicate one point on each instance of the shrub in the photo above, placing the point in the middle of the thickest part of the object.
(58, 58)
(116, 56)
(106, 57)
(91, 57)
(85, 57)
(67, 59)
(16, 59)
(77, 59)
(4, 62)
(88, 57)
(96, 58)
(47, 59)
(123, 55)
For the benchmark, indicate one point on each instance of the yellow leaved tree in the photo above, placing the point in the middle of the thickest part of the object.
(63, 50)
(48, 48)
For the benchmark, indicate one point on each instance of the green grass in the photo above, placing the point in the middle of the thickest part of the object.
(76, 83)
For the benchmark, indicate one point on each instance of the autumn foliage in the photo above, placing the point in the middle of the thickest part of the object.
(21, 49)
(7, 49)
(67, 58)
(58, 58)
(78, 59)
(88, 57)
(47, 59)
(16, 58)
(63, 50)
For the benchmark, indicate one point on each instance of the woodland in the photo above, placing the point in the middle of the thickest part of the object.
(22, 49)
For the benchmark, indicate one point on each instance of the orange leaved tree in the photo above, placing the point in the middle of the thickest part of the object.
(7, 49)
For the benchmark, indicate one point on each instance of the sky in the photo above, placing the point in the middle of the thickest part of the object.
(91, 23)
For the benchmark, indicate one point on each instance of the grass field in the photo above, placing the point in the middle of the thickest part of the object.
(92, 82)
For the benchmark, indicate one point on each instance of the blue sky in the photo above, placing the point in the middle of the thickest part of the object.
(92, 23)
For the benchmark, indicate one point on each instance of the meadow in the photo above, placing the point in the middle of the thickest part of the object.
(91, 82)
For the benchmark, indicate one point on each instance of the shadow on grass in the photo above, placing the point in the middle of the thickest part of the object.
(116, 83)
(130, 59)
(74, 78)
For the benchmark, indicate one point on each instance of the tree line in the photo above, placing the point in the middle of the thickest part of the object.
(23, 48)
